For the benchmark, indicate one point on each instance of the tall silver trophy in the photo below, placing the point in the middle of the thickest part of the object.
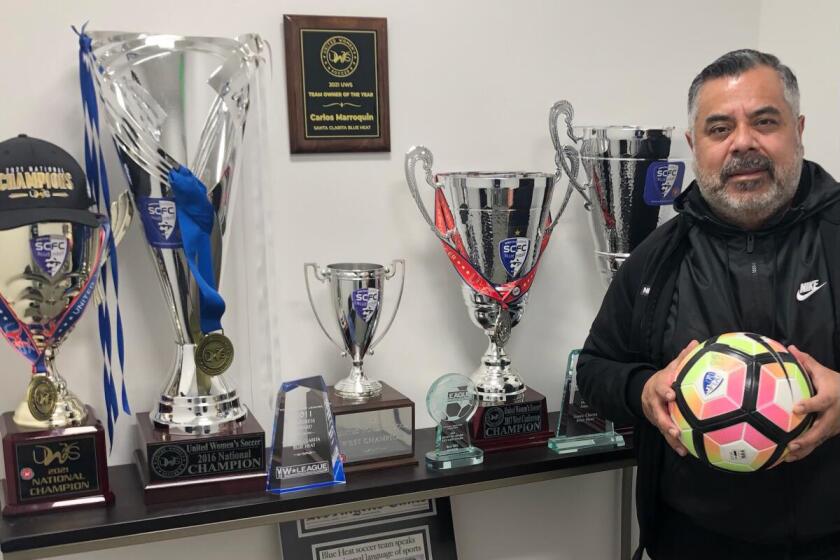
(356, 295)
(374, 421)
(494, 227)
(632, 175)
(177, 109)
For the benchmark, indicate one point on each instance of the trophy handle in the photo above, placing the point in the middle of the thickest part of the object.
(566, 158)
(319, 275)
(122, 212)
(391, 271)
(415, 154)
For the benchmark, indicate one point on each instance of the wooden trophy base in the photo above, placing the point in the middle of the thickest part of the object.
(176, 467)
(511, 425)
(55, 468)
(374, 433)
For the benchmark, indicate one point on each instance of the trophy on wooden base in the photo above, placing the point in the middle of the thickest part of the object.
(494, 227)
(53, 250)
(177, 108)
(374, 421)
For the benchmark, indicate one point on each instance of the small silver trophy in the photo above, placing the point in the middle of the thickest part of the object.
(494, 234)
(633, 174)
(356, 295)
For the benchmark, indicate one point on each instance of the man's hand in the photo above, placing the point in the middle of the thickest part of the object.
(825, 404)
(656, 395)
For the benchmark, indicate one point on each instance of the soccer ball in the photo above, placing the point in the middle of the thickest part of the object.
(734, 401)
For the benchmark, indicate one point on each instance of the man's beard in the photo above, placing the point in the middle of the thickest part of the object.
(750, 211)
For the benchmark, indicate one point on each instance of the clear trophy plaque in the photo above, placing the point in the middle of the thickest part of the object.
(452, 400)
(304, 451)
(580, 426)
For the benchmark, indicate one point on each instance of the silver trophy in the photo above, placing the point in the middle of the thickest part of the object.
(173, 101)
(48, 276)
(500, 223)
(356, 293)
(633, 174)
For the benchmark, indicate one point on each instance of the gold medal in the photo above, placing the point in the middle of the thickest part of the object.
(41, 397)
(214, 354)
(501, 331)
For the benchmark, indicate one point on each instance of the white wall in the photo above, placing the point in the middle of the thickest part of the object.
(473, 81)
(805, 37)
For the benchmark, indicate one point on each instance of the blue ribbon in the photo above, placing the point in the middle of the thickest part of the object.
(97, 176)
(195, 215)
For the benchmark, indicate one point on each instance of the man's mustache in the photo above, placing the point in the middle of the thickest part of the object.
(748, 163)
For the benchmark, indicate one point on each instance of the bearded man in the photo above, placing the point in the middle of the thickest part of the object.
(755, 247)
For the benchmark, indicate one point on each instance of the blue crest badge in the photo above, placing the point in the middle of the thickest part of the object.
(513, 252)
(663, 182)
(711, 381)
(365, 302)
(49, 252)
(160, 222)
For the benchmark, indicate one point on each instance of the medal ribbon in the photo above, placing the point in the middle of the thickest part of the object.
(97, 176)
(19, 335)
(195, 217)
(503, 294)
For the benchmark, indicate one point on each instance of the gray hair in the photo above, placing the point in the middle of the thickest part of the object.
(735, 63)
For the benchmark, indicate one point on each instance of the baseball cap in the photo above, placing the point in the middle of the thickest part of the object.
(41, 182)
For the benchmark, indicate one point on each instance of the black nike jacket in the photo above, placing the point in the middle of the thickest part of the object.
(696, 277)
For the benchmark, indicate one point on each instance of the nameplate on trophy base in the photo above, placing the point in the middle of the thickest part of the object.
(511, 425)
(175, 467)
(374, 433)
(54, 469)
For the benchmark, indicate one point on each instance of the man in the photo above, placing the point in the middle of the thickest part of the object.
(758, 223)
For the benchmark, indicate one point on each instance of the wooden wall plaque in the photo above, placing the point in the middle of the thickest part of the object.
(337, 83)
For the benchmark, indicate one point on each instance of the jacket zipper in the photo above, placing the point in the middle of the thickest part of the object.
(750, 245)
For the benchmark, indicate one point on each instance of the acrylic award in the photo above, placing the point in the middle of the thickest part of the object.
(451, 401)
(580, 426)
(304, 451)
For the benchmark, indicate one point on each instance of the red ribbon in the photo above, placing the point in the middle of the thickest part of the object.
(503, 294)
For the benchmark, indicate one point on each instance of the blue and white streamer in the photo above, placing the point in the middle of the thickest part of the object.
(97, 176)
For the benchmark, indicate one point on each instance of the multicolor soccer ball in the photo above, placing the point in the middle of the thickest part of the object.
(735, 395)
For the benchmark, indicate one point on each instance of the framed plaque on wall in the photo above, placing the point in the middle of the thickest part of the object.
(414, 530)
(337, 84)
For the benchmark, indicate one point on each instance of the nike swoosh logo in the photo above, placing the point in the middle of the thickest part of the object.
(802, 296)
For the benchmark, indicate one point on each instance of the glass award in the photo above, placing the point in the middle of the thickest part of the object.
(304, 450)
(580, 426)
(451, 401)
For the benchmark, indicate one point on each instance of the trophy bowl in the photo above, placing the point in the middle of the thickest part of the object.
(632, 176)
(47, 277)
(494, 227)
(356, 293)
